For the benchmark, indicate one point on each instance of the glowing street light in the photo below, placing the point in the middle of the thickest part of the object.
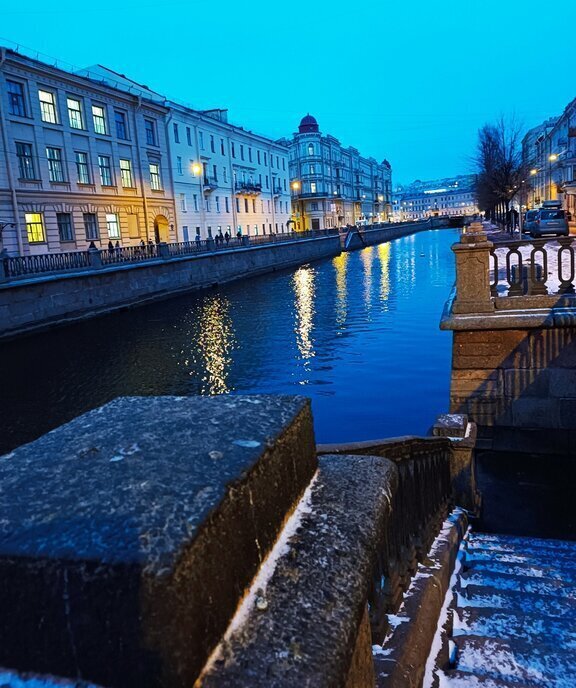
(553, 157)
(534, 172)
(196, 169)
(295, 185)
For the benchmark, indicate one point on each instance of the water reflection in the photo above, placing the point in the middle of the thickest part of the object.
(304, 291)
(340, 263)
(215, 341)
(367, 257)
(384, 257)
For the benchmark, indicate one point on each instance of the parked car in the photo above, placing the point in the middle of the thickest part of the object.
(550, 221)
(529, 220)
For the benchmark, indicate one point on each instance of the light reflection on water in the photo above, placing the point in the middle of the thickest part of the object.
(357, 333)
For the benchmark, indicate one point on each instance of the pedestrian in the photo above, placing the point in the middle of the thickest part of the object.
(91, 246)
(150, 246)
(197, 239)
(238, 235)
(111, 247)
(117, 247)
(227, 238)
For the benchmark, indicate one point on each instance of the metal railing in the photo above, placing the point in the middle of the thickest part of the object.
(248, 187)
(20, 267)
(23, 266)
(533, 267)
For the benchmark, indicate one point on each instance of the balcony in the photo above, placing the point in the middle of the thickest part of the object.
(248, 188)
(277, 190)
(209, 184)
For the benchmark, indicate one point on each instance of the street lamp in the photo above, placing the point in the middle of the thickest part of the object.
(196, 169)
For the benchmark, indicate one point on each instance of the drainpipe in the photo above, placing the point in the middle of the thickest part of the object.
(142, 184)
(233, 198)
(171, 172)
(9, 170)
(272, 190)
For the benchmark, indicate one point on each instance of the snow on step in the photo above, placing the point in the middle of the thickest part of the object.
(520, 570)
(506, 581)
(516, 661)
(488, 540)
(506, 624)
(462, 679)
(560, 561)
(485, 596)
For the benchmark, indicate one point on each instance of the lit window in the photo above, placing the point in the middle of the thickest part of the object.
(91, 226)
(99, 119)
(155, 181)
(82, 168)
(112, 225)
(16, 101)
(25, 161)
(55, 168)
(121, 125)
(65, 229)
(105, 170)
(126, 174)
(48, 107)
(34, 228)
(313, 187)
(75, 113)
(310, 149)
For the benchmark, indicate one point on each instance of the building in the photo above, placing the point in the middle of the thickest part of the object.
(549, 152)
(438, 198)
(332, 185)
(80, 161)
(224, 178)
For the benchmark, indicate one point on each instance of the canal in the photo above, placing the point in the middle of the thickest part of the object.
(358, 334)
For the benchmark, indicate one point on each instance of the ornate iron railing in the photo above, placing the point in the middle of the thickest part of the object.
(23, 266)
(129, 254)
(535, 267)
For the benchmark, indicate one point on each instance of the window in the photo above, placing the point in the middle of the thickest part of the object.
(265, 159)
(112, 225)
(226, 205)
(91, 226)
(245, 205)
(55, 168)
(215, 172)
(272, 161)
(48, 107)
(253, 205)
(34, 227)
(75, 113)
(201, 139)
(314, 206)
(188, 136)
(150, 128)
(212, 146)
(225, 174)
(250, 154)
(313, 187)
(267, 181)
(65, 229)
(121, 125)
(217, 204)
(241, 152)
(207, 204)
(82, 168)
(99, 119)
(126, 174)
(195, 202)
(179, 165)
(258, 156)
(25, 161)
(232, 147)
(284, 166)
(237, 204)
(183, 202)
(176, 133)
(16, 101)
(105, 170)
(155, 181)
(222, 147)
(310, 149)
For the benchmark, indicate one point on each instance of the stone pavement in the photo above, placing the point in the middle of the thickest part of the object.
(514, 614)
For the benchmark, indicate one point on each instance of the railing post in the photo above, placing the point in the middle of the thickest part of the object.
(473, 272)
(95, 258)
(4, 272)
(163, 250)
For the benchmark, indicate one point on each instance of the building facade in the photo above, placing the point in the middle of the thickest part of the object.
(438, 198)
(80, 162)
(333, 186)
(549, 152)
(225, 179)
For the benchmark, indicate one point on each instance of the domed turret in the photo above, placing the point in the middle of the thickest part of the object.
(308, 125)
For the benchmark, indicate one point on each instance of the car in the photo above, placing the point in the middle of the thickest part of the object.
(529, 220)
(550, 221)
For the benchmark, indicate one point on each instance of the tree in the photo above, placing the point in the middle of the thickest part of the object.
(500, 169)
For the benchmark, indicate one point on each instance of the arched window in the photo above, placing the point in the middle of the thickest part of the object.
(310, 149)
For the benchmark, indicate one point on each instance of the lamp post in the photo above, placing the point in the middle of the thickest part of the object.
(295, 186)
(551, 158)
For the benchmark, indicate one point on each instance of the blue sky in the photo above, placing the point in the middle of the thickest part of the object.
(411, 81)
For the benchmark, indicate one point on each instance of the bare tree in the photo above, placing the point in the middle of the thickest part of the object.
(500, 168)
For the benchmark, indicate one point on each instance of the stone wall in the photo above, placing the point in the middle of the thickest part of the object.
(39, 302)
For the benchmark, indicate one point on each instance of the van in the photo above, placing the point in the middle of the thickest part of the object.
(550, 220)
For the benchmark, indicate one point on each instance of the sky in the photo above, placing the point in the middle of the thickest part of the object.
(411, 81)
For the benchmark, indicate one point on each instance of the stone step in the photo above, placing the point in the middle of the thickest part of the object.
(464, 679)
(513, 541)
(526, 570)
(541, 665)
(506, 624)
(509, 581)
(558, 562)
(480, 596)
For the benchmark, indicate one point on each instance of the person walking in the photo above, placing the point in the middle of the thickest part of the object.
(227, 238)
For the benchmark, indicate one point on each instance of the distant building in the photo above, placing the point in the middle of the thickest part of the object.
(334, 186)
(441, 197)
(80, 162)
(549, 152)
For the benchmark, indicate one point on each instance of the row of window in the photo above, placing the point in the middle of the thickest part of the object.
(279, 206)
(315, 150)
(241, 149)
(57, 169)
(36, 232)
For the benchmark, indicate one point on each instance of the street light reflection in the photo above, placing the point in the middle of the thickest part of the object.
(367, 257)
(216, 341)
(340, 263)
(304, 290)
(384, 256)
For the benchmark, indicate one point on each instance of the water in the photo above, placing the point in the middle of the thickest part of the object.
(358, 334)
